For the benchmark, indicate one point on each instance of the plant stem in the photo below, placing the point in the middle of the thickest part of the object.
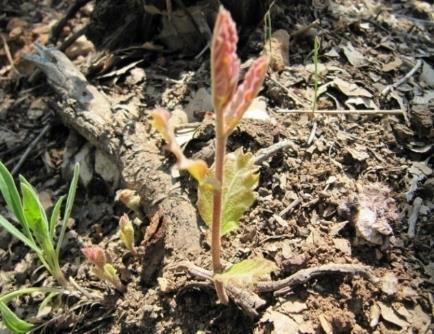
(217, 205)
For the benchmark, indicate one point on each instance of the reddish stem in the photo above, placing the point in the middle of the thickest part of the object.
(217, 204)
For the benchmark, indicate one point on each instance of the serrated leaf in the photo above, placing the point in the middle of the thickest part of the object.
(14, 323)
(240, 178)
(246, 272)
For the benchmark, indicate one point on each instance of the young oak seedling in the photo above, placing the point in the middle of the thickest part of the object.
(226, 189)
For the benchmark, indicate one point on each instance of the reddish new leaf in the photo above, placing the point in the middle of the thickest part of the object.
(245, 93)
(225, 64)
(95, 255)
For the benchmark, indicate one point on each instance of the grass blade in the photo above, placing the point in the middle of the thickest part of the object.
(35, 216)
(11, 194)
(55, 215)
(13, 322)
(18, 234)
(69, 203)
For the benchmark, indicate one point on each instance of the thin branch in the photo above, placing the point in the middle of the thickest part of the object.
(265, 153)
(389, 88)
(72, 10)
(283, 286)
(344, 112)
(29, 149)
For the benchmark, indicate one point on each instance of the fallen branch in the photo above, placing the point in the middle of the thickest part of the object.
(128, 143)
(285, 285)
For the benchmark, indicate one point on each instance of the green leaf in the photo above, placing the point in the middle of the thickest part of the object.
(35, 214)
(69, 203)
(47, 300)
(246, 272)
(10, 193)
(55, 216)
(18, 234)
(240, 178)
(13, 322)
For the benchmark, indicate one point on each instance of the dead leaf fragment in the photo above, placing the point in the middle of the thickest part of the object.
(388, 314)
(282, 324)
(353, 56)
(358, 154)
(389, 283)
(374, 315)
(350, 89)
(343, 245)
(294, 306)
(257, 110)
(277, 48)
(393, 65)
(325, 324)
(427, 74)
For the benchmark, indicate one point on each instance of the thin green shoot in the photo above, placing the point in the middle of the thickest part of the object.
(316, 78)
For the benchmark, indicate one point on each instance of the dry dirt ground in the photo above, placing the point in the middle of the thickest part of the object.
(347, 188)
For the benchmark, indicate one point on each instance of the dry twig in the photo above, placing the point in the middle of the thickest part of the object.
(389, 88)
(264, 153)
(283, 286)
(72, 10)
(342, 111)
(29, 149)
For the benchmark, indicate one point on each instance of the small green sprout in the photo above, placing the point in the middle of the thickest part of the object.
(102, 268)
(35, 230)
(126, 233)
(226, 188)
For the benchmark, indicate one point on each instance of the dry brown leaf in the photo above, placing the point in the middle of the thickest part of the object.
(343, 245)
(350, 89)
(354, 57)
(393, 65)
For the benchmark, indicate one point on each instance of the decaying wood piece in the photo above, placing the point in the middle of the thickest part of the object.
(91, 114)
(302, 276)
